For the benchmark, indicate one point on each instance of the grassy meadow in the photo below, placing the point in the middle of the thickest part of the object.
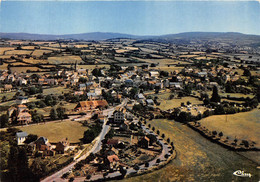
(197, 158)
(56, 131)
(241, 125)
(64, 59)
(170, 104)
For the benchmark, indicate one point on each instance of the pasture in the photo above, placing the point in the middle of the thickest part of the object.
(173, 103)
(56, 91)
(24, 69)
(18, 52)
(35, 61)
(64, 59)
(56, 131)
(3, 49)
(195, 155)
(39, 52)
(243, 126)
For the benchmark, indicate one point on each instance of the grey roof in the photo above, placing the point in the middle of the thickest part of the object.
(21, 134)
(129, 81)
(42, 139)
(82, 85)
(150, 101)
(140, 96)
(91, 94)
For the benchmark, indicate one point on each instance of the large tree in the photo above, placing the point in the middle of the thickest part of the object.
(61, 113)
(215, 96)
(4, 120)
(53, 114)
(12, 163)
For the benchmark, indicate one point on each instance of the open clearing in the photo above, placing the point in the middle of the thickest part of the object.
(170, 104)
(64, 59)
(3, 49)
(8, 95)
(241, 125)
(24, 69)
(17, 52)
(35, 61)
(56, 131)
(56, 90)
(3, 66)
(170, 69)
(28, 47)
(40, 52)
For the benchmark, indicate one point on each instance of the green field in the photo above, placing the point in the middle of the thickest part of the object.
(64, 59)
(170, 104)
(8, 95)
(241, 126)
(237, 95)
(198, 159)
(24, 69)
(56, 91)
(56, 131)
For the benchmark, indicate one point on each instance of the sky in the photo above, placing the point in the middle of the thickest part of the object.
(131, 17)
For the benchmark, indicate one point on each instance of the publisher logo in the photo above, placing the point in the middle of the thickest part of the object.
(241, 173)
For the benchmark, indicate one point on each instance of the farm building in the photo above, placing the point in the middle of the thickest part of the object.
(89, 105)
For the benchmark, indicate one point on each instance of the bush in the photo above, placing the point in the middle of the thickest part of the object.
(146, 164)
(65, 175)
(158, 161)
(136, 167)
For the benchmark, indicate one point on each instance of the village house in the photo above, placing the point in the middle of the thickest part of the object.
(21, 137)
(82, 87)
(149, 102)
(21, 99)
(43, 146)
(90, 105)
(113, 161)
(41, 81)
(19, 113)
(24, 118)
(154, 74)
(112, 142)
(140, 97)
(119, 116)
(8, 87)
(22, 81)
(62, 146)
(92, 96)
(144, 142)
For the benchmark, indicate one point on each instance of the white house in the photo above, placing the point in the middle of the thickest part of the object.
(21, 99)
(119, 116)
(21, 137)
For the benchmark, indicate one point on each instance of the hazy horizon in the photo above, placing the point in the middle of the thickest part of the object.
(129, 17)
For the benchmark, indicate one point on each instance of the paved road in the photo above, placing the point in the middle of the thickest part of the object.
(57, 176)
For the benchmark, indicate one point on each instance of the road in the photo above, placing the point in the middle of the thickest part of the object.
(97, 146)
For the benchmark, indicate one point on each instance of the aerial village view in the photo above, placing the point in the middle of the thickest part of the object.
(118, 107)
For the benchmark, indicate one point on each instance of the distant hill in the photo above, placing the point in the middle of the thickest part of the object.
(209, 35)
(238, 38)
(83, 36)
(228, 37)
